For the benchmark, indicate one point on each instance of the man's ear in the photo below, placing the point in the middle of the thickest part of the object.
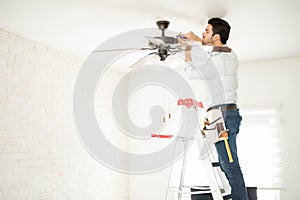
(216, 37)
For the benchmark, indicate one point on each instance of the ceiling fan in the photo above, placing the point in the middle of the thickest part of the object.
(162, 46)
(165, 45)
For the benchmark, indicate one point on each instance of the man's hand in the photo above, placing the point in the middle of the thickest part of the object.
(191, 36)
(182, 41)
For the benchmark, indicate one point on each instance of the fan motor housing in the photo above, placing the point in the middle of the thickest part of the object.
(162, 24)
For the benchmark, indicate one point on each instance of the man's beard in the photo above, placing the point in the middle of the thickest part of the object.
(207, 42)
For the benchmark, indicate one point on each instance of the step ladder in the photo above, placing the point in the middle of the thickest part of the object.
(218, 188)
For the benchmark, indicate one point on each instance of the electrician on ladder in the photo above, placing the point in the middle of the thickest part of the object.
(225, 62)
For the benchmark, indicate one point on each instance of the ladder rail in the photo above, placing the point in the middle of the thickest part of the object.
(215, 189)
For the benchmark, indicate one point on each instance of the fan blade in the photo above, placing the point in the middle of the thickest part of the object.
(125, 49)
(169, 40)
(150, 58)
(162, 41)
(173, 60)
(156, 41)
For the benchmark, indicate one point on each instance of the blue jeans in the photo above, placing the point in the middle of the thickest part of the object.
(232, 170)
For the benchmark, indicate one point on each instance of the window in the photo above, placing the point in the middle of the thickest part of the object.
(260, 149)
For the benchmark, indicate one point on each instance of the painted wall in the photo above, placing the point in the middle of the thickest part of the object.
(277, 81)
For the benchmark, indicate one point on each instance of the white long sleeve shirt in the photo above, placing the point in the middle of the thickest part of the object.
(218, 70)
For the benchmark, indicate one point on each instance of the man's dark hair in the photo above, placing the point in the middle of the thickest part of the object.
(221, 27)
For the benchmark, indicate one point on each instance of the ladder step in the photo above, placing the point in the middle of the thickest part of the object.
(205, 191)
(198, 187)
(216, 164)
(227, 197)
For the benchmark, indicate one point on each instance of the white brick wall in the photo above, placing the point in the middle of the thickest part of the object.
(41, 156)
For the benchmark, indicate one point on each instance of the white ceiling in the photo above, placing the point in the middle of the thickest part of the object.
(261, 29)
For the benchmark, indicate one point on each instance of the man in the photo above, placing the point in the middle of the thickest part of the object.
(225, 63)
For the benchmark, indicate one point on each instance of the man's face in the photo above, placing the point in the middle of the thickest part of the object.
(207, 36)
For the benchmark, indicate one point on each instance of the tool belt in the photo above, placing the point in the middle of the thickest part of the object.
(215, 123)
